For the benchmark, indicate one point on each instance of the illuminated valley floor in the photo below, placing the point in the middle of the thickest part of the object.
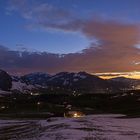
(91, 127)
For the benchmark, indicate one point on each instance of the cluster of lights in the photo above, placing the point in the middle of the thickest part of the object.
(73, 114)
(34, 94)
(3, 107)
(38, 103)
(76, 115)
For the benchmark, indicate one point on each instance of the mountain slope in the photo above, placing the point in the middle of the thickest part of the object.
(80, 81)
(5, 81)
(127, 82)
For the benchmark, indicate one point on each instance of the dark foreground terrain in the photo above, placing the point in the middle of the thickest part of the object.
(54, 105)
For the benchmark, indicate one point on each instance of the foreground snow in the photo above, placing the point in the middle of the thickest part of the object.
(92, 127)
(22, 87)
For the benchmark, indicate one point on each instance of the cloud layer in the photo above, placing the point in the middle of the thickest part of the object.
(115, 51)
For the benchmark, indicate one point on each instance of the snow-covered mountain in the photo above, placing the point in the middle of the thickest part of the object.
(37, 78)
(21, 87)
(130, 83)
(80, 81)
(75, 81)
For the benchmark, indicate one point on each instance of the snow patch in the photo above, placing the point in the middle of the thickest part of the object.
(21, 86)
(101, 127)
(78, 75)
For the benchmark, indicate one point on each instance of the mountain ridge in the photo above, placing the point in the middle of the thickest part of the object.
(75, 81)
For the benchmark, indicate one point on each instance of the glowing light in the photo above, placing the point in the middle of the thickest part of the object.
(109, 75)
(38, 103)
(34, 94)
(73, 114)
(3, 107)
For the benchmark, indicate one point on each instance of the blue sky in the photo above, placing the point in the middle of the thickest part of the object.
(14, 33)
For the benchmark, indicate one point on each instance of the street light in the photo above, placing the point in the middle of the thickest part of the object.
(38, 106)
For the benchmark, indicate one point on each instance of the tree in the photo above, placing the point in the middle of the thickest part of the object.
(5, 81)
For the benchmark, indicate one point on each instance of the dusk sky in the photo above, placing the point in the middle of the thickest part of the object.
(96, 36)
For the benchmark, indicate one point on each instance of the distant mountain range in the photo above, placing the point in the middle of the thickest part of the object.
(82, 82)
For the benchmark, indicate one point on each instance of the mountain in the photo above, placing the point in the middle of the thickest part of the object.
(21, 85)
(37, 78)
(127, 82)
(80, 82)
(5, 81)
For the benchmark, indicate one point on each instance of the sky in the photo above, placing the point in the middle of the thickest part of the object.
(96, 36)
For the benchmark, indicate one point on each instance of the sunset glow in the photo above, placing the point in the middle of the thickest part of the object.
(133, 75)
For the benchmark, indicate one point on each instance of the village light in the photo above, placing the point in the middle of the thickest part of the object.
(75, 115)
(38, 103)
(34, 94)
(38, 106)
(3, 107)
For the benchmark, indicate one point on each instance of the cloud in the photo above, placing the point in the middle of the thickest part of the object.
(38, 12)
(116, 50)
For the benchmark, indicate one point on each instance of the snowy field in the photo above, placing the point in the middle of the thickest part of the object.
(91, 127)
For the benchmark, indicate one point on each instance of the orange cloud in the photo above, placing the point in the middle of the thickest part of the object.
(115, 52)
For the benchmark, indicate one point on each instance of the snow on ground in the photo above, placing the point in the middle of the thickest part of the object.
(91, 127)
